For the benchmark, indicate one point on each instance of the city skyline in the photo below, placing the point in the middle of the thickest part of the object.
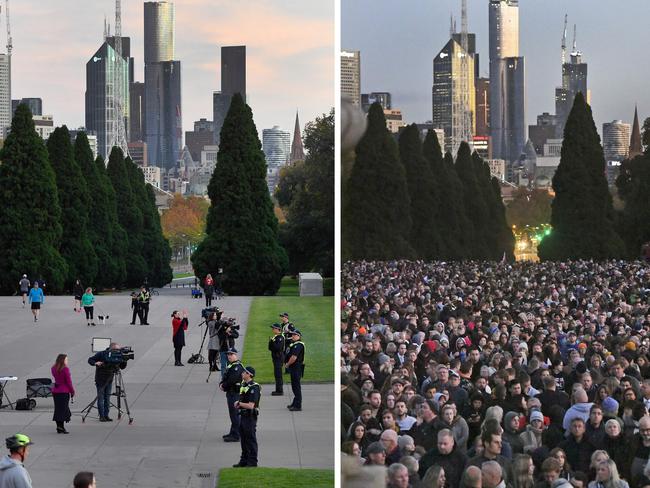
(401, 64)
(282, 75)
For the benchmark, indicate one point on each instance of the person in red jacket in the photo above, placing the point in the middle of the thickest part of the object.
(179, 326)
(62, 391)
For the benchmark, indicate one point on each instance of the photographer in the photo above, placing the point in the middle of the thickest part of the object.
(179, 326)
(230, 384)
(225, 332)
(213, 343)
(105, 368)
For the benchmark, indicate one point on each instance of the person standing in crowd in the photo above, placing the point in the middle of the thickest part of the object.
(208, 289)
(296, 366)
(144, 297)
(179, 326)
(24, 288)
(78, 291)
(12, 467)
(135, 307)
(62, 392)
(104, 372)
(36, 299)
(276, 346)
(248, 406)
(213, 325)
(84, 479)
(231, 383)
(88, 303)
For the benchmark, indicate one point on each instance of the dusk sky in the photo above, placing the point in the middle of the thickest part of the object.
(398, 40)
(290, 54)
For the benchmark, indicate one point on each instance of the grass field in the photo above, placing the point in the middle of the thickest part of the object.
(289, 287)
(275, 478)
(313, 316)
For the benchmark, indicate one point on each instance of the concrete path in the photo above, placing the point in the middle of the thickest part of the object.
(175, 439)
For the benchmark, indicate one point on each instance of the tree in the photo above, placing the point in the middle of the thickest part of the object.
(425, 231)
(184, 220)
(645, 135)
(529, 207)
(75, 202)
(582, 213)
(633, 184)
(30, 214)
(242, 230)
(505, 240)
(306, 193)
(474, 203)
(376, 213)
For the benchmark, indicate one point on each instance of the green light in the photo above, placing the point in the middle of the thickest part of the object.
(547, 232)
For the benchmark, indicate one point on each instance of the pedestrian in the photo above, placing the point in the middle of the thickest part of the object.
(248, 406)
(78, 291)
(88, 302)
(230, 384)
(296, 366)
(179, 326)
(208, 289)
(36, 298)
(135, 307)
(24, 288)
(276, 346)
(62, 392)
(84, 479)
(144, 297)
(12, 467)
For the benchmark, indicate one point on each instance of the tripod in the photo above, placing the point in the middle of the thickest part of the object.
(120, 393)
(198, 357)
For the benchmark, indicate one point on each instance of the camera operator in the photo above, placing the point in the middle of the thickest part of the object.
(213, 343)
(104, 371)
(226, 334)
(230, 384)
(276, 346)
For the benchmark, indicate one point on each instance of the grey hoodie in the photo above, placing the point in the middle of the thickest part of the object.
(13, 474)
(577, 410)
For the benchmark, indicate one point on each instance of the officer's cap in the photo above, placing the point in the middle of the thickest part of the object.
(250, 370)
(284, 314)
(231, 350)
(276, 326)
(296, 332)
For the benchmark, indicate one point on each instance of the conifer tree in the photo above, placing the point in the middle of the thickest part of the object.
(633, 185)
(242, 230)
(473, 202)
(582, 212)
(376, 214)
(30, 214)
(447, 227)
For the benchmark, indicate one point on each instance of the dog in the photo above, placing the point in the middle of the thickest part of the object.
(103, 319)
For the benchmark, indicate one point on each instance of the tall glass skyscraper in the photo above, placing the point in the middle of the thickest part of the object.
(5, 93)
(276, 144)
(574, 80)
(233, 80)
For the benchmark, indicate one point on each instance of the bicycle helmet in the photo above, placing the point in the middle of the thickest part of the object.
(17, 441)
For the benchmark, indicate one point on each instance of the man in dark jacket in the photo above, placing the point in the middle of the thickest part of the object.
(424, 431)
(276, 346)
(550, 396)
(577, 447)
(447, 455)
(105, 368)
(231, 384)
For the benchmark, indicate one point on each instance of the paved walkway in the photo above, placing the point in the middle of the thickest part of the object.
(175, 439)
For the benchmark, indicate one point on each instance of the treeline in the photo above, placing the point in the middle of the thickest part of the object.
(405, 200)
(66, 215)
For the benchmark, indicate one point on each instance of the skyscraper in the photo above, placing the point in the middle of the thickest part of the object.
(574, 80)
(5, 93)
(616, 140)
(635, 138)
(507, 88)
(275, 144)
(137, 112)
(162, 79)
(35, 105)
(297, 151)
(233, 80)
(351, 76)
(482, 107)
(382, 98)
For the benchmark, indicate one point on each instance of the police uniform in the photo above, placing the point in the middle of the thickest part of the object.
(276, 346)
(249, 392)
(230, 383)
(296, 369)
(287, 330)
(143, 310)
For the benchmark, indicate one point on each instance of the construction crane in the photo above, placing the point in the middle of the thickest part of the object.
(118, 132)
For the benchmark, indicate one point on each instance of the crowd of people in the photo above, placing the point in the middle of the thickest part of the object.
(484, 374)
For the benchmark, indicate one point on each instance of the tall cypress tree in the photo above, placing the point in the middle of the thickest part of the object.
(444, 204)
(75, 203)
(425, 231)
(376, 214)
(30, 214)
(504, 239)
(242, 230)
(582, 212)
(633, 185)
(473, 202)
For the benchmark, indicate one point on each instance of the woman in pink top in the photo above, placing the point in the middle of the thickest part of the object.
(62, 391)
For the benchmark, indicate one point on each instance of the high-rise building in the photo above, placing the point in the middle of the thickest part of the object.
(90, 135)
(394, 120)
(351, 76)
(616, 140)
(574, 80)
(138, 153)
(382, 98)
(201, 136)
(5, 93)
(297, 150)
(482, 107)
(233, 80)
(543, 131)
(35, 105)
(635, 138)
(100, 78)
(162, 79)
(276, 144)
(137, 112)
(447, 94)
(507, 88)
(44, 125)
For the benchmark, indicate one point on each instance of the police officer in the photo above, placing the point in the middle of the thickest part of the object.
(248, 405)
(230, 384)
(143, 310)
(276, 346)
(295, 365)
(287, 329)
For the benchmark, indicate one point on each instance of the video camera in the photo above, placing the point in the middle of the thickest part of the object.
(207, 312)
(231, 323)
(121, 355)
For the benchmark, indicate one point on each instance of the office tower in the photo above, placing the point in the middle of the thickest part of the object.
(394, 120)
(44, 125)
(276, 144)
(542, 132)
(201, 136)
(5, 93)
(90, 135)
(450, 104)
(233, 80)
(162, 79)
(382, 98)
(35, 105)
(100, 111)
(137, 111)
(507, 89)
(616, 140)
(635, 138)
(574, 80)
(482, 107)
(351, 76)
(297, 151)
(138, 153)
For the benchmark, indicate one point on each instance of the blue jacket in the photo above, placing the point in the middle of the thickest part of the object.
(36, 295)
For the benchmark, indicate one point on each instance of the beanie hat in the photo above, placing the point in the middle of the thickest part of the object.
(610, 406)
(536, 415)
(630, 346)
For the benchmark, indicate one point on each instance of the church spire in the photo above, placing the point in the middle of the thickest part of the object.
(635, 138)
(297, 152)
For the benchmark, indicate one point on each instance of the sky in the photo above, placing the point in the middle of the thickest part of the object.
(399, 39)
(289, 47)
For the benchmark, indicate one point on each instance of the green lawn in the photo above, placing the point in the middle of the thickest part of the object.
(275, 478)
(313, 316)
(289, 287)
(183, 275)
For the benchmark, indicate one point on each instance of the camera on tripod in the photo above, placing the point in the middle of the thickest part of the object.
(121, 355)
(207, 312)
